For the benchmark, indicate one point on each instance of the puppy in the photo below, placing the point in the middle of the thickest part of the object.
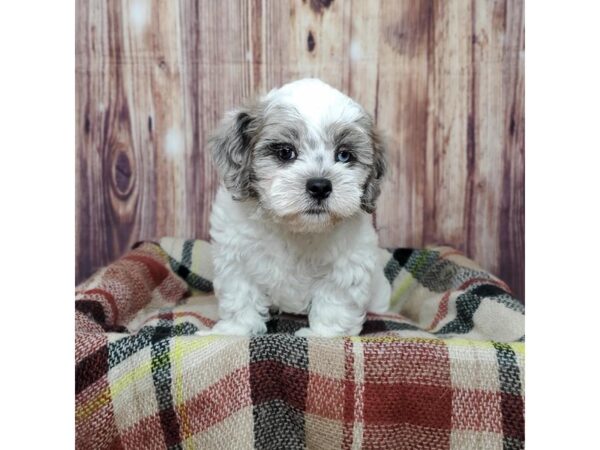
(291, 224)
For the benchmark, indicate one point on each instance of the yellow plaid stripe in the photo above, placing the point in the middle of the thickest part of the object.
(116, 387)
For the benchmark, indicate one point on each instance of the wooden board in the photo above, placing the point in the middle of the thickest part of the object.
(444, 80)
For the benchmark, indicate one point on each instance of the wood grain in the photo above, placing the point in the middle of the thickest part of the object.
(444, 80)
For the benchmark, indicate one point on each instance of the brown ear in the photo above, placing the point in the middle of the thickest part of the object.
(372, 187)
(231, 150)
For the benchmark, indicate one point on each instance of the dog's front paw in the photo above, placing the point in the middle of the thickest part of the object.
(305, 332)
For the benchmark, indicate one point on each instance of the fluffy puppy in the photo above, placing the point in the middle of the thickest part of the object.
(291, 225)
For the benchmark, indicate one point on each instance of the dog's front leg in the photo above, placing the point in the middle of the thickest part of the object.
(242, 307)
(339, 304)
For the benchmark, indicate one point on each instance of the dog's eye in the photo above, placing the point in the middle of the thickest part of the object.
(343, 155)
(286, 152)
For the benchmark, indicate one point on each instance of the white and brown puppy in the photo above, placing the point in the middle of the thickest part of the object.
(291, 225)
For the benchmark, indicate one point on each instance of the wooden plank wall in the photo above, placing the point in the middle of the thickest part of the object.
(444, 80)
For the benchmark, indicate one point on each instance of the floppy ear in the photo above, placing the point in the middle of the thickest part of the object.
(372, 187)
(231, 150)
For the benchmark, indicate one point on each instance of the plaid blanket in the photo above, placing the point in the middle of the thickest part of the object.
(443, 370)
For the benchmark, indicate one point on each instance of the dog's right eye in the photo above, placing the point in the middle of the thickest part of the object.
(286, 152)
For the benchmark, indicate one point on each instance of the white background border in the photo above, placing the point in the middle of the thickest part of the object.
(37, 252)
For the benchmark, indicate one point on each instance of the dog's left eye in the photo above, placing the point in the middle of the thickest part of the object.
(286, 152)
(343, 155)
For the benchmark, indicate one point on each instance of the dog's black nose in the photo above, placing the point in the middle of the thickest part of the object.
(319, 188)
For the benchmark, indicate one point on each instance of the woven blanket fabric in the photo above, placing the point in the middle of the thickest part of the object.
(444, 369)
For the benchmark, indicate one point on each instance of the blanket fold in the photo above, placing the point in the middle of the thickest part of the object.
(443, 369)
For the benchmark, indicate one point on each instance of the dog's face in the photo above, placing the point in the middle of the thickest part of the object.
(309, 154)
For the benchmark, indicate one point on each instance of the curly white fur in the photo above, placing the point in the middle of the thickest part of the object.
(270, 250)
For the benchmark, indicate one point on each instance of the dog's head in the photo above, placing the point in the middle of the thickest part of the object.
(307, 153)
